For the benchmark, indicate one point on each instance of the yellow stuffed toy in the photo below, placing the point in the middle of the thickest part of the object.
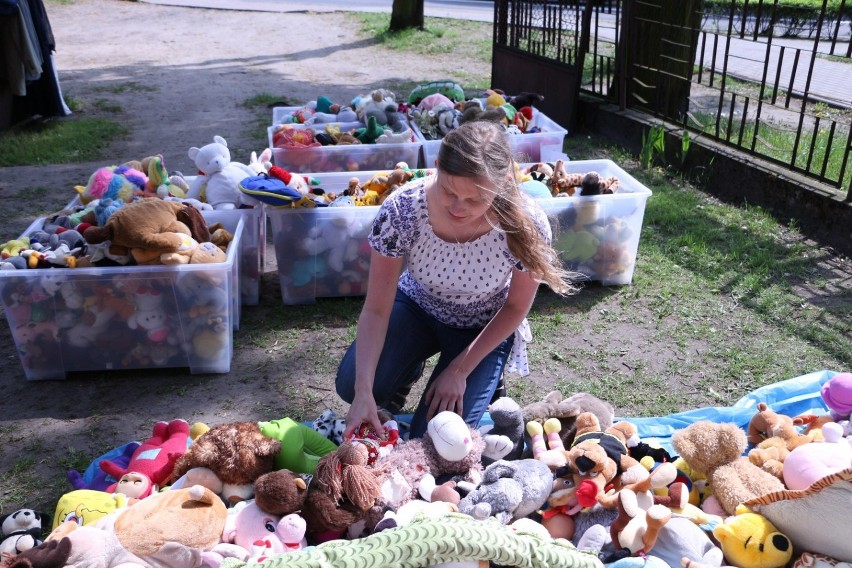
(749, 540)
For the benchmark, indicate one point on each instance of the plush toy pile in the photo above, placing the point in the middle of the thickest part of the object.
(555, 483)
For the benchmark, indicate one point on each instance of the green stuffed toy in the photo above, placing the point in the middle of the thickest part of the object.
(428, 541)
(370, 133)
(301, 446)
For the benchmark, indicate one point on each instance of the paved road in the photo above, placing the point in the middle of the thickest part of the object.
(831, 80)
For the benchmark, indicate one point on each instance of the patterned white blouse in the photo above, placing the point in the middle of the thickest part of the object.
(460, 284)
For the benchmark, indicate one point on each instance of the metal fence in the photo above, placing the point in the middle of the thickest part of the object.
(770, 80)
(768, 77)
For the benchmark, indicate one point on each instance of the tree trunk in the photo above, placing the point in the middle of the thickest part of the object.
(406, 14)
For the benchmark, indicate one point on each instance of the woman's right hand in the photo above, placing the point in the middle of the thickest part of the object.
(363, 410)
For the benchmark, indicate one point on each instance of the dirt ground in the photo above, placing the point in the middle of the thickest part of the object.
(177, 77)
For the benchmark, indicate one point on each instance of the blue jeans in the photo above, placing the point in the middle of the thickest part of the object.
(413, 336)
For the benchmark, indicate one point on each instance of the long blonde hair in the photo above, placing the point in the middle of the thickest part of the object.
(480, 149)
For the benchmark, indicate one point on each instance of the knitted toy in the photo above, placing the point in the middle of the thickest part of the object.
(342, 491)
(452, 538)
(155, 458)
(716, 450)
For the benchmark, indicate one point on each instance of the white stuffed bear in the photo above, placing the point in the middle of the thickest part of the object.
(219, 177)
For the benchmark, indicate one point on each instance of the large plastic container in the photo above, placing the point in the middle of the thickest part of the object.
(345, 158)
(526, 147)
(131, 317)
(596, 236)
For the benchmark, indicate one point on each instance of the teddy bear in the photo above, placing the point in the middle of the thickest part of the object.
(774, 437)
(218, 177)
(281, 492)
(148, 224)
(554, 405)
(228, 459)
(716, 449)
(20, 531)
(334, 237)
(509, 490)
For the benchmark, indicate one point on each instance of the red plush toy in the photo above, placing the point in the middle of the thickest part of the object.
(154, 460)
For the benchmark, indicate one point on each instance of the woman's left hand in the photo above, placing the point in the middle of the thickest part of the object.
(446, 393)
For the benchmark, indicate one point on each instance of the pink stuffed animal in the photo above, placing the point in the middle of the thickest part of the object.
(251, 534)
(155, 458)
(809, 463)
(837, 393)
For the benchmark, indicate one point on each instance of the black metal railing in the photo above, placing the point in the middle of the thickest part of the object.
(768, 77)
(770, 80)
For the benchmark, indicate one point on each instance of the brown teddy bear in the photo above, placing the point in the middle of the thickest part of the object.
(228, 459)
(281, 492)
(774, 437)
(151, 224)
(554, 405)
(716, 451)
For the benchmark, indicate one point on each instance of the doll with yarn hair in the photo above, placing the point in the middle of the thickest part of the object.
(344, 488)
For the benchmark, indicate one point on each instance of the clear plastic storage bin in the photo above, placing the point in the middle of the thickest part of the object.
(596, 236)
(135, 317)
(344, 158)
(526, 147)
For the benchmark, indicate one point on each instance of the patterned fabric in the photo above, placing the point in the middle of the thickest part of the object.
(425, 542)
(460, 284)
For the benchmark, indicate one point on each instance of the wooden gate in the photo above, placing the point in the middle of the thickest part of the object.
(540, 46)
